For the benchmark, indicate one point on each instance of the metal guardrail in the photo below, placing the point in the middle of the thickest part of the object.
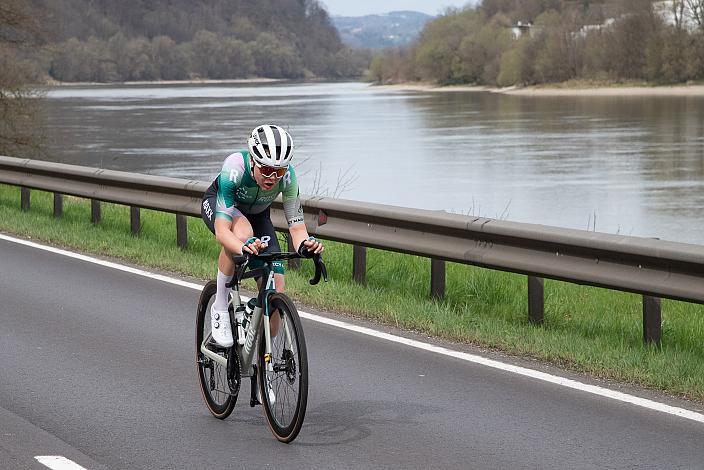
(653, 268)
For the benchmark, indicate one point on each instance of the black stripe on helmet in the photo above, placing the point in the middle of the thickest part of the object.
(262, 135)
(289, 147)
(277, 141)
(257, 153)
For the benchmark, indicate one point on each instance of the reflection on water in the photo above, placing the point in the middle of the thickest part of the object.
(631, 165)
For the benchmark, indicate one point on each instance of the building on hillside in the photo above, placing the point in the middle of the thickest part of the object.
(589, 28)
(520, 29)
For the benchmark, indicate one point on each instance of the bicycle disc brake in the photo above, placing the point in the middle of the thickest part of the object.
(290, 362)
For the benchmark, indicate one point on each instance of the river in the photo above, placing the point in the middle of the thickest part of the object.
(629, 165)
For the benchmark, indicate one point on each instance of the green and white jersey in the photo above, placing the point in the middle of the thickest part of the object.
(238, 193)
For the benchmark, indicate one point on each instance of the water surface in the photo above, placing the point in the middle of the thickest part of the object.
(631, 165)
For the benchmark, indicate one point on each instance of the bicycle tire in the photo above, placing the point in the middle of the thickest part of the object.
(285, 425)
(212, 377)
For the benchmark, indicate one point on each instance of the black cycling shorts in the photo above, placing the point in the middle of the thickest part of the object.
(261, 226)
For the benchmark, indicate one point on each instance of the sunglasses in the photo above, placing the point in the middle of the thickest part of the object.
(270, 171)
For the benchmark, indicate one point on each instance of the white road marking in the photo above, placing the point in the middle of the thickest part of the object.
(473, 358)
(101, 262)
(57, 462)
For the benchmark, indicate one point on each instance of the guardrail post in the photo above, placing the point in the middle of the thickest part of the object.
(135, 222)
(94, 211)
(294, 264)
(359, 264)
(652, 320)
(24, 198)
(58, 204)
(536, 300)
(181, 231)
(437, 278)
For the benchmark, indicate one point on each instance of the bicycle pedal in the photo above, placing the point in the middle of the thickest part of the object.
(215, 347)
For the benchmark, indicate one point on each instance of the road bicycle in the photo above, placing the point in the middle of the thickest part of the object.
(275, 361)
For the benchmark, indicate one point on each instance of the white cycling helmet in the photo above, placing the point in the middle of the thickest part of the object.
(270, 145)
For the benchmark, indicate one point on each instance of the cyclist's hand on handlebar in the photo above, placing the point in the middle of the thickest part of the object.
(253, 246)
(309, 247)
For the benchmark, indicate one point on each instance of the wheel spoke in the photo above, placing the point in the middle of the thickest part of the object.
(285, 359)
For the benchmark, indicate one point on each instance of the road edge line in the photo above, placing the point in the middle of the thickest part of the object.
(473, 358)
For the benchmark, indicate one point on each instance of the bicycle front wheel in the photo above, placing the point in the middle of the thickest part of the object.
(283, 381)
(212, 376)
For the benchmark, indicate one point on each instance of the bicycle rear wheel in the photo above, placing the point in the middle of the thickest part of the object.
(212, 376)
(284, 389)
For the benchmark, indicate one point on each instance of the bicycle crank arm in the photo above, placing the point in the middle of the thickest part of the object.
(215, 357)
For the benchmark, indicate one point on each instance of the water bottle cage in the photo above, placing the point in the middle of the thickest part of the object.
(247, 318)
(245, 321)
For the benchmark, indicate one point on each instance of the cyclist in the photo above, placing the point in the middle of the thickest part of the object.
(236, 209)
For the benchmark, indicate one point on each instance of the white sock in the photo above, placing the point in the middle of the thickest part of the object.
(221, 293)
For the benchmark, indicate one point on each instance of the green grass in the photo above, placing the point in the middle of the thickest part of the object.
(591, 330)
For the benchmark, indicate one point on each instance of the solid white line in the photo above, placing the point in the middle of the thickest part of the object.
(57, 462)
(101, 262)
(534, 374)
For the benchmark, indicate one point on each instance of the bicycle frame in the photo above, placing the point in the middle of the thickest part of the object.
(261, 309)
(276, 366)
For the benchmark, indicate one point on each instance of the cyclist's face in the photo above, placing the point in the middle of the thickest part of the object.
(265, 182)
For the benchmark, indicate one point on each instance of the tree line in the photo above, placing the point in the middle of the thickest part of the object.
(20, 35)
(105, 41)
(206, 56)
(557, 41)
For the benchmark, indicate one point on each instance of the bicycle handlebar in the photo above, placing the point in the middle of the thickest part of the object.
(320, 269)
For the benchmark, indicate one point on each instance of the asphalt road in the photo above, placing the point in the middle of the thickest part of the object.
(97, 365)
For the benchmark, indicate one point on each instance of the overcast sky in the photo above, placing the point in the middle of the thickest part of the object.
(369, 7)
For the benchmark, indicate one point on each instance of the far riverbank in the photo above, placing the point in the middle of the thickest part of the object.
(566, 89)
(675, 90)
(233, 81)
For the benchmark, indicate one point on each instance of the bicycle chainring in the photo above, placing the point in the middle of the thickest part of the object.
(234, 375)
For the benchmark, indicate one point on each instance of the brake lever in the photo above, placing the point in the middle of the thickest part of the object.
(320, 269)
(324, 270)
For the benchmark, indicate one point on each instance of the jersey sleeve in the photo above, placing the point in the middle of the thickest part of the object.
(228, 181)
(293, 210)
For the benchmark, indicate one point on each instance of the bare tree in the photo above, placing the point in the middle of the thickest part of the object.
(19, 33)
(345, 179)
(696, 10)
(687, 10)
(19, 23)
(677, 8)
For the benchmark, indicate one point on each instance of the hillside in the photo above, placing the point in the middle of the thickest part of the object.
(397, 28)
(516, 42)
(105, 40)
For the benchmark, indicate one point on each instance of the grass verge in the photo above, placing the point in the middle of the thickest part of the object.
(586, 329)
